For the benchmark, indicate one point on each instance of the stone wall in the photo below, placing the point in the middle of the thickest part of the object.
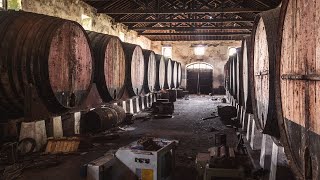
(216, 54)
(74, 9)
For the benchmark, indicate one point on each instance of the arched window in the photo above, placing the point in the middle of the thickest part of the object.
(199, 65)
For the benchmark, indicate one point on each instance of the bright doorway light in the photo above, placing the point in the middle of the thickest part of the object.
(232, 51)
(167, 51)
(199, 50)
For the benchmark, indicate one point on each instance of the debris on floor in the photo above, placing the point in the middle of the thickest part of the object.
(62, 145)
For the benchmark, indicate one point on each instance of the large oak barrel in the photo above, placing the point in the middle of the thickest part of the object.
(234, 75)
(110, 69)
(150, 71)
(298, 85)
(174, 74)
(179, 74)
(230, 74)
(226, 75)
(50, 54)
(246, 82)
(264, 46)
(168, 77)
(239, 77)
(134, 69)
(161, 72)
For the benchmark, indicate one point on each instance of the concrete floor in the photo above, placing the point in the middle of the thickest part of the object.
(186, 126)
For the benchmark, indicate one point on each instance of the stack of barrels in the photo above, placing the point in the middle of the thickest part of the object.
(280, 81)
(55, 62)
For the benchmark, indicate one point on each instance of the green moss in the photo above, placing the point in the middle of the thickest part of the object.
(14, 4)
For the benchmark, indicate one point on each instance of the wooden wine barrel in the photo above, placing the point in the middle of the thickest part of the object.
(239, 77)
(298, 85)
(150, 71)
(179, 74)
(161, 72)
(168, 74)
(226, 76)
(230, 75)
(51, 55)
(134, 69)
(101, 119)
(264, 47)
(175, 74)
(247, 83)
(109, 63)
(234, 73)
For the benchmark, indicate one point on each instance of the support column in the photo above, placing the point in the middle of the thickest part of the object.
(249, 126)
(124, 106)
(35, 130)
(266, 151)
(137, 104)
(131, 106)
(77, 117)
(54, 127)
(256, 137)
(244, 120)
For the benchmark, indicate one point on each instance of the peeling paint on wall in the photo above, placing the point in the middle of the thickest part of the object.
(216, 54)
(73, 10)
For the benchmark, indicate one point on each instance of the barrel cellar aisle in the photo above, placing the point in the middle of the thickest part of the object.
(159, 90)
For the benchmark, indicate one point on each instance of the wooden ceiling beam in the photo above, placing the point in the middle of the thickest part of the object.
(197, 34)
(186, 20)
(191, 28)
(184, 11)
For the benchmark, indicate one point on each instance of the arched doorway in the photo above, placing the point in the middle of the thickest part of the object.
(199, 78)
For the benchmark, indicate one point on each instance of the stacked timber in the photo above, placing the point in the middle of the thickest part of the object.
(161, 72)
(150, 71)
(109, 74)
(49, 55)
(264, 46)
(134, 69)
(298, 85)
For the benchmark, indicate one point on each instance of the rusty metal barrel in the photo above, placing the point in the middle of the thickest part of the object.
(44, 53)
(246, 67)
(179, 76)
(161, 72)
(168, 74)
(150, 71)
(174, 74)
(264, 46)
(134, 69)
(109, 74)
(298, 85)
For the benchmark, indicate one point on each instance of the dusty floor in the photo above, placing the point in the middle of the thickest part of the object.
(193, 133)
